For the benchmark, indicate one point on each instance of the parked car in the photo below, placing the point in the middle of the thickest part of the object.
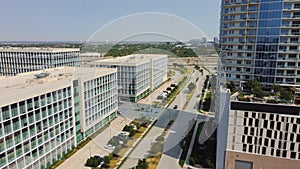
(109, 147)
(101, 165)
(99, 158)
(202, 146)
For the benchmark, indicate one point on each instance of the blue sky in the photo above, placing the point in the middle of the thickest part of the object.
(78, 20)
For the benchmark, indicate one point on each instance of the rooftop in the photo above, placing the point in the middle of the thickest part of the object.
(35, 49)
(31, 84)
(131, 59)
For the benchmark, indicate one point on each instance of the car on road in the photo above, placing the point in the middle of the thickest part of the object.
(109, 147)
(119, 112)
(175, 107)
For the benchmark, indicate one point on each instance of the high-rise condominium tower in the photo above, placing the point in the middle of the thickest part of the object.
(260, 40)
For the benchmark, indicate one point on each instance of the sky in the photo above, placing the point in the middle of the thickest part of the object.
(66, 20)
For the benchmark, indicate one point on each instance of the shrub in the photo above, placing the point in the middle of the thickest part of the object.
(181, 163)
(192, 161)
(92, 162)
(160, 138)
(106, 160)
(126, 128)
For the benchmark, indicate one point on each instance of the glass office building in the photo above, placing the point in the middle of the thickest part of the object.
(14, 60)
(44, 114)
(259, 39)
(138, 74)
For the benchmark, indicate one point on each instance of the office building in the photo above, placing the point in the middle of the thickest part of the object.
(259, 39)
(14, 60)
(138, 74)
(45, 113)
(259, 135)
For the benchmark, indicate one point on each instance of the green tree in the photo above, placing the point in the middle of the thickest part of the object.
(106, 160)
(255, 88)
(285, 94)
(92, 162)
(191, 86)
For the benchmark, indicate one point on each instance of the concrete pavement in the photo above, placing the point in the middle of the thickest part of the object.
(95, 146)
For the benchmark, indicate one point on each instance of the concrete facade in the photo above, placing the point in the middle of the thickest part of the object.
(259, 39)
(138, 74)
(15, 60)
(45, 113)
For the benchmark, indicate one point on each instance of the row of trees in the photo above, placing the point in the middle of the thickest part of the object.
(126, 49)
(142, 164)
(256, 88)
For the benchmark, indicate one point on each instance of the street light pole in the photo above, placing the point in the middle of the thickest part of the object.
(90, 151)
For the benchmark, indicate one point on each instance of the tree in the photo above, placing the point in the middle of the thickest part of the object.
(106, 160)
(192, 161)
(191, 86)
(160, 138)
(231, 87)
(257, 89)
(285, 94)
(276, 88)
(92, 162)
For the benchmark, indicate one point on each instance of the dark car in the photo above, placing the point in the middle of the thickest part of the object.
(175, 107)
(99, 158)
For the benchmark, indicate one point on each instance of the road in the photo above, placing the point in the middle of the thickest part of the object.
(193, 105)
(94, 147)
(152, 97)
(141, 150)
(178, 130)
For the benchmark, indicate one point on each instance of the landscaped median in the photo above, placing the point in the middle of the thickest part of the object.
(122, 143)
(156, 150)
(185, 144)
(137, 142)
(75, 149)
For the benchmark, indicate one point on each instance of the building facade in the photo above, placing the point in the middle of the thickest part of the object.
(259, 39)
(45, 113)
(137, 74)
(20, 60)
(262, 136)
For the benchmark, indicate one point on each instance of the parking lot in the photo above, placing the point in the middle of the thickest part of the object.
(96, 146)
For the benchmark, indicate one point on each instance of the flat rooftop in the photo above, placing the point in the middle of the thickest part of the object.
(266, 107)
(31, 84)
(35, 49)
(134, 59)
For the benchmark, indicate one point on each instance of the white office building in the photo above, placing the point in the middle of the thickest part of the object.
(137, 74)
(45, 113)
(15, 60)
(257, 135)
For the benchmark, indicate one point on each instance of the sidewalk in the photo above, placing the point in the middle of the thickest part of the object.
(95, 146)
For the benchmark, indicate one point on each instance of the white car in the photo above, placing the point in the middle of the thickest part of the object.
(110, 147)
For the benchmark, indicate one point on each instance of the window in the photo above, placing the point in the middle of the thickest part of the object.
(269, 133)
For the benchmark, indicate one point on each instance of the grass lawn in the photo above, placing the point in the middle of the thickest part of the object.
(114, 161)
(123, 150)
(153, 162)
(139, 133)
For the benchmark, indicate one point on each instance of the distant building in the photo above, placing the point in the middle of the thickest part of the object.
(44, 114)
(204, 40)
(216, 40)
(15, 60)
(138, 74)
